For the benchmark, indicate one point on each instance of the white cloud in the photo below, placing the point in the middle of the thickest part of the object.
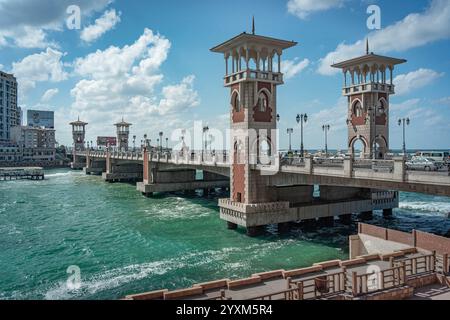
(178, 97)
(415, 30)
(49, 94)
(443, 101)
(123, 81)
(102, 25)
(44, 66)
(27, 23)
(405, 105)
(303, 8)
(406, 83)
(291, 68)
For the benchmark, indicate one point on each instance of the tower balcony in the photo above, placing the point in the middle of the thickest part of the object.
(253, 75)
(368, 87)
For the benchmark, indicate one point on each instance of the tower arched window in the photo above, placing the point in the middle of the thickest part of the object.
(357, 109)
(381, 106)
(235, 102)
(263, 102)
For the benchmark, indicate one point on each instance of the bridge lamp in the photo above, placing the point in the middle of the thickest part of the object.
(278, 117)
(326, 128)
(301, 118)
(405, 122)
(289, 132)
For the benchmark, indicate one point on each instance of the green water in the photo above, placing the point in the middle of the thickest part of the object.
(124, 243)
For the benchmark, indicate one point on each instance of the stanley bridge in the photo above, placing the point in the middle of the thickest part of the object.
(266, 188)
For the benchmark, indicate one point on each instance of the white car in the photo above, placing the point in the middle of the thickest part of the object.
(420, 163)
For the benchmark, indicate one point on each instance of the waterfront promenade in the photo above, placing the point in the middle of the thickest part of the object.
(384, 264)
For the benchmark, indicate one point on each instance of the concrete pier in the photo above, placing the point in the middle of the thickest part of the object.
(326, 221)
(345, 218)
(231, 226)
(387, 213)
(366, 215)
(255, 231)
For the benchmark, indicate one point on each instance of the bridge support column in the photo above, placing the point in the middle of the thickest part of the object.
(346, 218)
(231, 225)
(366, 215)
(309, 223)
(326, 221)
(255, 231)
(283, 227)
(387, 213)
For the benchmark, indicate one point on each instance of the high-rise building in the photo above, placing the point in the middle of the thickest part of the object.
(38, 118)
(9, 110)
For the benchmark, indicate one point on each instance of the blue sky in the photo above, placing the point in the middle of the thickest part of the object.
(149, 61)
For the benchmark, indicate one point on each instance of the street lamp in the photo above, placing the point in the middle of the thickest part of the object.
(302, 118)
(405, 122)
(326, 128)
(289, 132)
(167, 144)
(134, 143)
(278, 117)
(160, 139)
(204, 147)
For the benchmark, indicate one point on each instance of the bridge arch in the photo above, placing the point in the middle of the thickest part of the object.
(359, 141)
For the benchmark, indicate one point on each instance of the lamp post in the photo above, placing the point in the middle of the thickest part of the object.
(302, 118)
(289, 132)
(405, 122)
(204, 146)
(160, 139)
(167, 144)
(134, 143)
(326, 128)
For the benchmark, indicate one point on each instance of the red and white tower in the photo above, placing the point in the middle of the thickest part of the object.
(123, 133)
(367, 86)
(252, 74)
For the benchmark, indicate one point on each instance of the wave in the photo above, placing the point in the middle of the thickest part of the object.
(59, 174)
(436, 207)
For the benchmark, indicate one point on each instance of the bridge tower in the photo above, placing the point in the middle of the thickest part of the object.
(78, 136)
(252, 74)
(367, 87)
(123, 133)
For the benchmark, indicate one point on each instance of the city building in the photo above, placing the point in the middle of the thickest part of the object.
(35, 144)
(10, 153)
(38, 118)
(10, 113)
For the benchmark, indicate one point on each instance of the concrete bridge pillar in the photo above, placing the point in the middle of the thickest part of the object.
(366, 215)
(88, 160)
(109, 165)
(284, 227)
(326, 221)
(387, 213)
(348, 166)
(231, 225)
(255, 231)
(399, 168)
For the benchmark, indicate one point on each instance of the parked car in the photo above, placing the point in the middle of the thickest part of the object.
(421, 163)
(441, 157)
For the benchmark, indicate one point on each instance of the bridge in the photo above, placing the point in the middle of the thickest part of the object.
(266, 187)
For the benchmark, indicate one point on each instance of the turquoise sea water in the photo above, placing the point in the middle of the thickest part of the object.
(124, 243)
